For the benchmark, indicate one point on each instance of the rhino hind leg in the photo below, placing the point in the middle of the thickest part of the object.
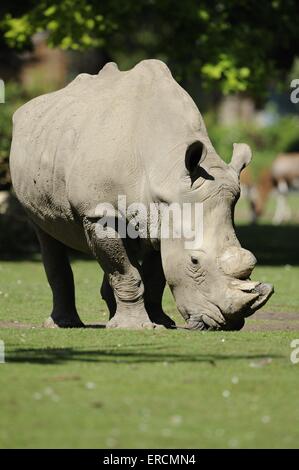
(124, 278)
(154, 283)
(60, 277)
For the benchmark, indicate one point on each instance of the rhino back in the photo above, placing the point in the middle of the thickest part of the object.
(100, 136)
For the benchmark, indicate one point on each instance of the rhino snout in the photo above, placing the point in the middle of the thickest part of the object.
(237, 262)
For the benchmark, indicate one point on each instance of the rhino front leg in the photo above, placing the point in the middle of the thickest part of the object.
(108, 295)
(123, 276)
(60, 278)
(154, 282)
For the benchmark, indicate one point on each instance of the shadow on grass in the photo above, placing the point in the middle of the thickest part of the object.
(61, 355)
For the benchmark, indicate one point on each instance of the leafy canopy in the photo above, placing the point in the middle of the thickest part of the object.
(237, 45)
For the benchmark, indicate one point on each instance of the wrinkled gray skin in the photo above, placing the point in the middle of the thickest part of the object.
(136, 133)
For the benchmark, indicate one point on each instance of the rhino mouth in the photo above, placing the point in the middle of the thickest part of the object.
(250, 295)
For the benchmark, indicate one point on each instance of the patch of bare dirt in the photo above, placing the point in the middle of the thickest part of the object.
(275, 321)
(16, 324)
(263, 321)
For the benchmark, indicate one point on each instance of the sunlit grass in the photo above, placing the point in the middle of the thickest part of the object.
(103, 388)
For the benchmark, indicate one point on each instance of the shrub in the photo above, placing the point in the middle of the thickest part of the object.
(15, 96)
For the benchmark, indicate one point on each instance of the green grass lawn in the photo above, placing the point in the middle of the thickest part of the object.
(152, 389)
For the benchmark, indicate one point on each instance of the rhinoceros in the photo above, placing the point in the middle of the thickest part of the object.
(135, 133)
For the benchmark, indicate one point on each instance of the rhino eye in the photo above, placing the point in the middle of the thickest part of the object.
(194, 260)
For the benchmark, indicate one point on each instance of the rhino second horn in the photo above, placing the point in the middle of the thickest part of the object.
(237, 262)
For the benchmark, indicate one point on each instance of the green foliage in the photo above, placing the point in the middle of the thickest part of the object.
(15, 96)
(234, 78)
(72, 24)
(234, 46)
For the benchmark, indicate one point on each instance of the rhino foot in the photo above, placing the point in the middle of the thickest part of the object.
(205, 322)
(131, 322)
(63, 323)
(202, 324)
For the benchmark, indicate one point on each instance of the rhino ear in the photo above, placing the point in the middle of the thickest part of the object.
(241, 157)
(194, 155)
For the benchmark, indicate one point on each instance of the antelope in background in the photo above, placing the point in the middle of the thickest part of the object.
(282, 176)
(248, 192)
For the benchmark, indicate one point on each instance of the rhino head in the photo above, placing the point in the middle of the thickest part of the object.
(211, 284)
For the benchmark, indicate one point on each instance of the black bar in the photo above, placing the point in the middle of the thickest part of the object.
(134, 458)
